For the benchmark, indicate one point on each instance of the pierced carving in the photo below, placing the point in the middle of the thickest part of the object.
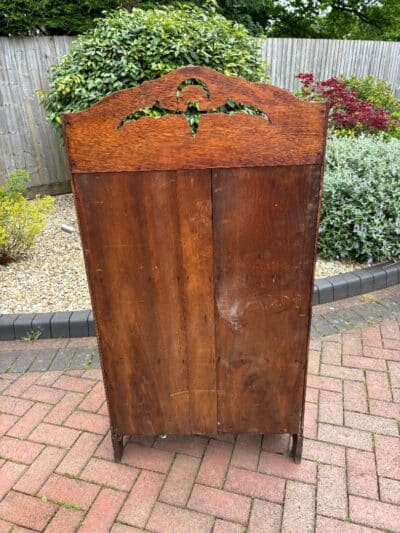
(193, 110)
(195, 82)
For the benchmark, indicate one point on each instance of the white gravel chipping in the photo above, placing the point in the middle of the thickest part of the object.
(52, 276)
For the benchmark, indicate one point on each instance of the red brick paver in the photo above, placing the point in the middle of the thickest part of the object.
(69, 491)
(26, 511)
(246, 451)
(94, 423)
(374, 514)
(265, 516)
(43, 394)
(9, 475)
(29, 421)
(299, 508)
(331, 491)
(179, 483)
(215, 464)
(361, 472)
(220, 503)
(54, 435)
(167, 518)
(79, 454)
(255, 484)
(142, 498)
(40, 470)
(20, 451)
(65, 520)
(64, 408)
(117, 476)
(103, 512)
(57, 472)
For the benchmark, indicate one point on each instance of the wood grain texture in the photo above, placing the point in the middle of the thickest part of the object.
(148, 251)
(97, 143)
(265, 222)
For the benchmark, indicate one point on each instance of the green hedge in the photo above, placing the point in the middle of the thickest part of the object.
(127, 48)
(360, 215)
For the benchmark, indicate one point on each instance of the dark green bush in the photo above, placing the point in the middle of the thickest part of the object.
(127, 48)
(360, 214)
(50, 17)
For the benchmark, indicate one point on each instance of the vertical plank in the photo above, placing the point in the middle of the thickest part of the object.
(264, 233)
(195, 221)
(149, 265)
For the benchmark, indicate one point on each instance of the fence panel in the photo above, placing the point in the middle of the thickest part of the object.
(27, 140)
(326, 57)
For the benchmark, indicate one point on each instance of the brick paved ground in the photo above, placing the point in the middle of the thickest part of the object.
(57, 474)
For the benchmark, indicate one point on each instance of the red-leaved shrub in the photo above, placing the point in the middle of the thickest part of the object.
(347, 110)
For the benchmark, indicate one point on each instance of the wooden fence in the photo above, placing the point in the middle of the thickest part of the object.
(326, 57)
(28, 141)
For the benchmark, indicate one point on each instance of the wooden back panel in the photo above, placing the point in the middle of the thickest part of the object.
(199, 251)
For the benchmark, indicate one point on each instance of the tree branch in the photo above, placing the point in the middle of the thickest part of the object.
(362, 16)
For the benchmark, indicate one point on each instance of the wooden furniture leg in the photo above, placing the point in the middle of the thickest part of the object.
(117, 440)
(297, 448)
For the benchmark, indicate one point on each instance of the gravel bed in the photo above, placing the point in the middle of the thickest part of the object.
(52, 276)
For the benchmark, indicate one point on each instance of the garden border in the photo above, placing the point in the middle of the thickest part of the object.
(66, 324)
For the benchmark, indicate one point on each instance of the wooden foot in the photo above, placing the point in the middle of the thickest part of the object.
(117, 440)
(297, 448)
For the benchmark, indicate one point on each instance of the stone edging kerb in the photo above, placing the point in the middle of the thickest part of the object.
(67, 324)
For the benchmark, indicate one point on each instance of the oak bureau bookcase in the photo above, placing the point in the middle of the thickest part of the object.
(199, 230)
